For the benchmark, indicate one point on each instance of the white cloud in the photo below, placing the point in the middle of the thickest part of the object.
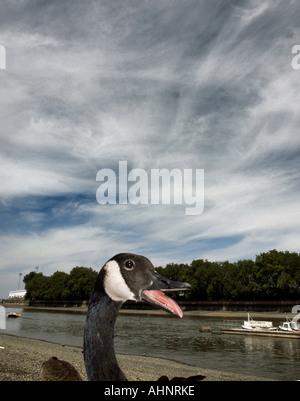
(161, 85)
(57, 249)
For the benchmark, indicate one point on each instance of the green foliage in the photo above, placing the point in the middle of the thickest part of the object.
(79, 284)
(61, 286)
(276, 275)
(273, 275)
(37, 286)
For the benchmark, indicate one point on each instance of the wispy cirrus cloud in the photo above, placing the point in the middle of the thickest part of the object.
(161, 85)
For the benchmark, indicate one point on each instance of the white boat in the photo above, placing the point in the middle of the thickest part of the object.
(289, 325)
(263, 328)
(251, 324)
(13, 315)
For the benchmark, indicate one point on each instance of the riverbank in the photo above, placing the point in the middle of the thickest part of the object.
(283, 306)
(21, 359)
(220, 314)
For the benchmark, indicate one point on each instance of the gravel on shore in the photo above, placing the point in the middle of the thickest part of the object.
(21, 359)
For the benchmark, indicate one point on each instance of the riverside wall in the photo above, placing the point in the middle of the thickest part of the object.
(284, 306)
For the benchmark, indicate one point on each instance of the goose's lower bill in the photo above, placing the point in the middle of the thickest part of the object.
(158, 298)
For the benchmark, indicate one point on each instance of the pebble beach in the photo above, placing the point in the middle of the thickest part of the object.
(21, 359)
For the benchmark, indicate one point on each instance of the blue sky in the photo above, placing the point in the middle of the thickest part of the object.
(161, 84)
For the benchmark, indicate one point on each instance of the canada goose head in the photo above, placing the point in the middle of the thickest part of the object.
(128, 276)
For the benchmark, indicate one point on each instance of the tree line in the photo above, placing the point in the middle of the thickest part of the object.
(273, 275)
(74, 286)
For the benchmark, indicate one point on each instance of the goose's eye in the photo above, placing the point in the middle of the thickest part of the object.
(129, 265)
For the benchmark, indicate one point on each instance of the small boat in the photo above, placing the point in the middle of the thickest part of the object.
(256, 324)
(13, 315)
(256, 328)
(290, 326)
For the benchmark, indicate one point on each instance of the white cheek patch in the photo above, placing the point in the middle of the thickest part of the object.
(114, 283)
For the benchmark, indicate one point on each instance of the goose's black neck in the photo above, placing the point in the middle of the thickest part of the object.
(99, 354)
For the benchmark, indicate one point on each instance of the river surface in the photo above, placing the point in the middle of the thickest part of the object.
(173, 338)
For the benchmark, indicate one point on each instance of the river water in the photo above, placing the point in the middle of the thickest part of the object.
(173, 338)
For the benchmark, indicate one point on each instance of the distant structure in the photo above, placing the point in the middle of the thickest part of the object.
(19, 294)
(20, 275)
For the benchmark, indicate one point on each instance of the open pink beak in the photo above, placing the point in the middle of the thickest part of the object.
(158, 298)
(155, 296)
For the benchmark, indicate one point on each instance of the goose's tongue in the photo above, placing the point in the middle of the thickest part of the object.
(159, 299)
